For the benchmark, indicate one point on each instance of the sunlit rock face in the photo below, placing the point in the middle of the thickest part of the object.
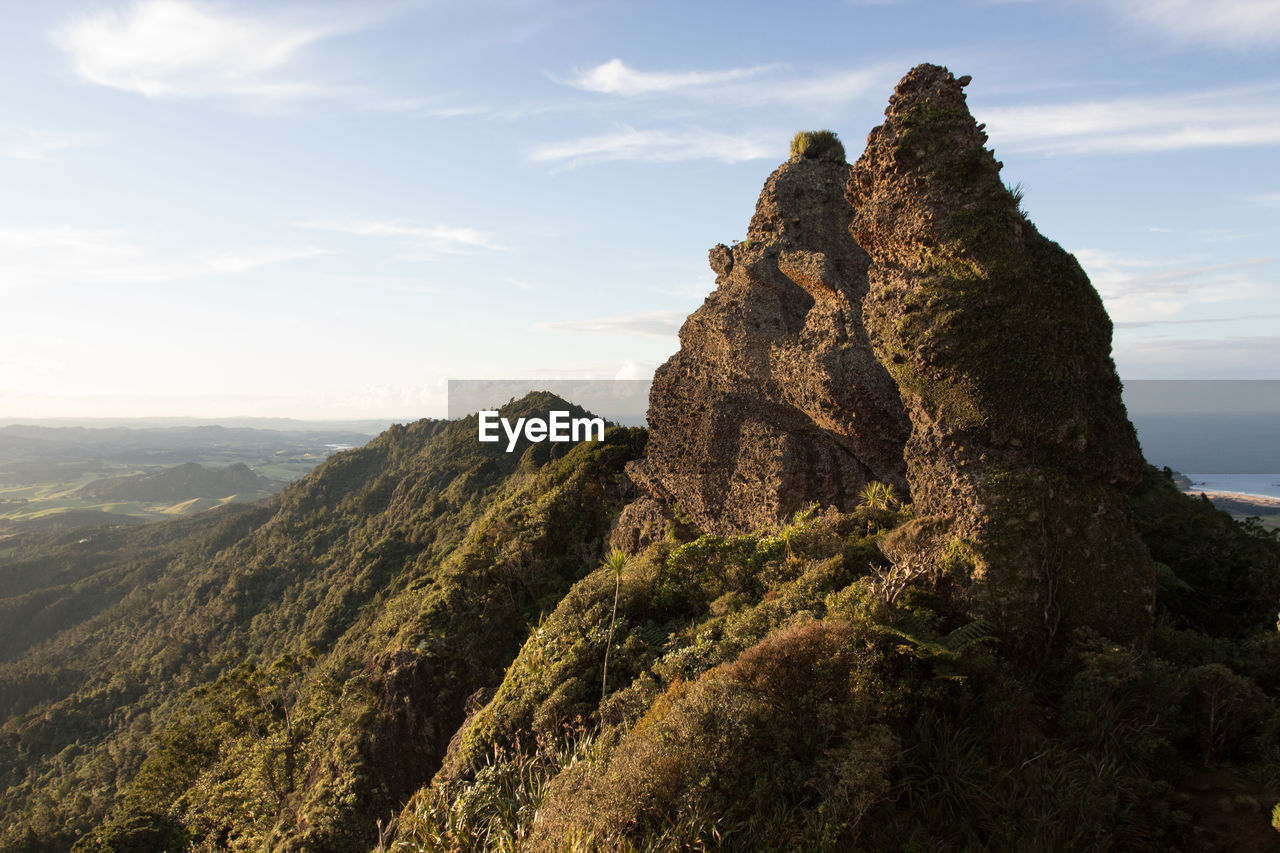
(775, 399)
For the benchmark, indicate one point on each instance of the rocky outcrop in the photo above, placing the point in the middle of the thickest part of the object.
(1020, 449)
(775, 399)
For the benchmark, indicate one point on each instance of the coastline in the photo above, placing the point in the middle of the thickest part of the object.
(1244, 497)
(1243, 505)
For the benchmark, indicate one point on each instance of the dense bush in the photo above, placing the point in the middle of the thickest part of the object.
(817, 145)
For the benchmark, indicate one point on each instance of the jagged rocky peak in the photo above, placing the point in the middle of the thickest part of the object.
(1020, 447)
(775, 399)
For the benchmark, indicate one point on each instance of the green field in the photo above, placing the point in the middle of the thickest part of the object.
(44, 471)
(32, 502)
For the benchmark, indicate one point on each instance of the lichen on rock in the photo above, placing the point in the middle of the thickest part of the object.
(1001, 350)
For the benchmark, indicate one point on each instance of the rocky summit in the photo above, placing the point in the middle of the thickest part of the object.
(775, 399)
(1021, 450)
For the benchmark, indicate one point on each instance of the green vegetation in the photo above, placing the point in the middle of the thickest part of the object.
(880, 495)
(617, 561)
(284, 675)
(769, 695)
(425, 645)
(817, 145)
(64, 477)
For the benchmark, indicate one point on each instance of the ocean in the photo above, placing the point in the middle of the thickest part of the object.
(1267, 485)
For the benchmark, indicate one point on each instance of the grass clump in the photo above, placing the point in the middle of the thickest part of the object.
(817, 145)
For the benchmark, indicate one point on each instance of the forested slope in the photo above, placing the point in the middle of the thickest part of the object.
(285, 674)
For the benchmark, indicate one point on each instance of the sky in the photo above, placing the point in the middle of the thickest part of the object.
(329, 209)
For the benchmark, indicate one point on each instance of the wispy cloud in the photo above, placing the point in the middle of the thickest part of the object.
(1224, 118)
(31, 144)
(1140, 291)
(660, 324)
(1241, 357)
(58, 254)
(428, 398)
(673, 134)
(1266, 199)
(181, 49)
(424, 241)
(44, 256)
(1141, 324)
(659, 146)
(754, 85)
(238, 262)
(615, 78)
(1225, 23)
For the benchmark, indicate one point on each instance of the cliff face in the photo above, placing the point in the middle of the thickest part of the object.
(1020, 449)
(775, 398)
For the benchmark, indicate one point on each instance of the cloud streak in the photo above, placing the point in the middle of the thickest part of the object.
(1142, 324)
(60, 255)
(1225, 118)
(183, 50)
(1242, 357)
(615, 78)
(427, 241)
(659, 324)
(1141, 292)
(1222, 23)
(755, 85)
(657, 146)
(31, 144)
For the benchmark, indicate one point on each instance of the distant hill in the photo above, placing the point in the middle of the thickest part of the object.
(182, 483)
(382, 590)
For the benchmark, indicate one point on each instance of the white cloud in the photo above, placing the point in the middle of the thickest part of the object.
(659, 324)
(45, 256)
(659, 146)
(1225, 23)
(829, 88)
(1224, 118)
(182, 49)
(426, 241)
(632, 369)
(1243, 357)
(1139, 291)
(238, 262)
(31, 144)
(1117, 274)
(749, 86)
(1266, 199)
(26, 368)
(615, 78)
(33, 256)
(428, 399)
(1140, 324)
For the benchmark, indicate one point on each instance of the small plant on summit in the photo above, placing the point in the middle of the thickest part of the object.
(616, 560)
(817, 145)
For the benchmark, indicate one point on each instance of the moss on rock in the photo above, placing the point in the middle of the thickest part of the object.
(1001, 350)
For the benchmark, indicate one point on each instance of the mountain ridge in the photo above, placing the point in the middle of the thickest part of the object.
(428, 644)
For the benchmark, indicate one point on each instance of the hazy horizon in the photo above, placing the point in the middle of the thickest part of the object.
(225, 209)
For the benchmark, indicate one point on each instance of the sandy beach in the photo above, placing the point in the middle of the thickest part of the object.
(1239, 504)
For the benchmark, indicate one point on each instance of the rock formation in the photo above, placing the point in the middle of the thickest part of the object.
(775, 399)
(1020, 449)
